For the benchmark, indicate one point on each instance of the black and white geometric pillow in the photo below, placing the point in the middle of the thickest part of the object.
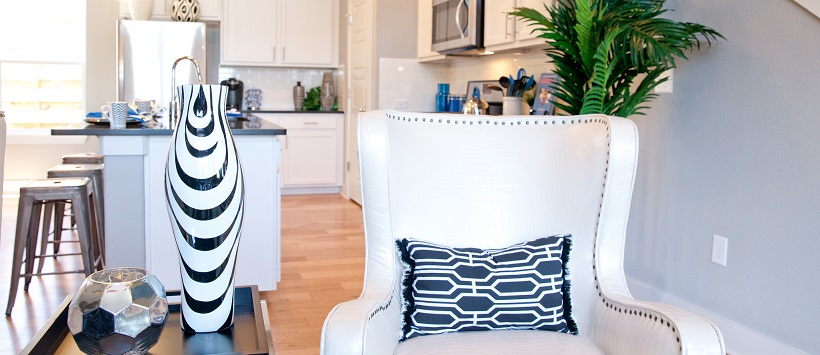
(522, 286)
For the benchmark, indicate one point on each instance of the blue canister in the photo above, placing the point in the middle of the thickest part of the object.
(443, 97)
(456, 103)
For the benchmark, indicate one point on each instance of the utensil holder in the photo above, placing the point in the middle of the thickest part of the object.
(512, 105)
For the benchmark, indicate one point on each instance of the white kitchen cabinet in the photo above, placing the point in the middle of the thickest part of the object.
(424, 41)
(208, 10)
(309, 39)
(280, 33)
(504, 32)
(248, 32)
(499, 26)
(312, 151)
(523, 32)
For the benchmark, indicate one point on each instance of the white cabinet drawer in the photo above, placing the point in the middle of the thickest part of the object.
(309, 121)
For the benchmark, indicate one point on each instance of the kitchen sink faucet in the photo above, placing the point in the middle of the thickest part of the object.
(173, 114)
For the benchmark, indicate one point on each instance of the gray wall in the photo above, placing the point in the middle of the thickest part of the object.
(395, 29)
(735, 151)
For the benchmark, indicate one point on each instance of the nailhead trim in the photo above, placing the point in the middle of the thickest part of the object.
(472, 121)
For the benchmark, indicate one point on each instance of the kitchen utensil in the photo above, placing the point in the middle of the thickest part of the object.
(530, 83)
(475, 105)
(521, 73)
(512, 106)
(505, 83)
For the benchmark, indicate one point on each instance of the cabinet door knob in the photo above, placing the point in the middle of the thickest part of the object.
(362, 109)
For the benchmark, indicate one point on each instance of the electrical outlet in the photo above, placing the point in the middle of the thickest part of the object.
(720, 248)
(400, 104)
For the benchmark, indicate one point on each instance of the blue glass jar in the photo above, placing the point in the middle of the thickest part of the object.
(443, 98)
(456, 103)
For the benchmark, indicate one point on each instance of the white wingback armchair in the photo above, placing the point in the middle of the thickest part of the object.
(490, 182)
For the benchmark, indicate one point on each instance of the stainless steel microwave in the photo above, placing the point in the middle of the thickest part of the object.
(458, 26)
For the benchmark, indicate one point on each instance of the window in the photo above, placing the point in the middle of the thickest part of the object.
(42, 55)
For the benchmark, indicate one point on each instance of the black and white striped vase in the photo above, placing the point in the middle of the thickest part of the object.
(205, 192)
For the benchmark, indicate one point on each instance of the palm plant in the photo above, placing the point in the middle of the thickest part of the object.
(601, 48)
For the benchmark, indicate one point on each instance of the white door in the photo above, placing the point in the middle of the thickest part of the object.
(360, 86)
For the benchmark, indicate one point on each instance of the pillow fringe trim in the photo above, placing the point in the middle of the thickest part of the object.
(566, 248)
(408, 306)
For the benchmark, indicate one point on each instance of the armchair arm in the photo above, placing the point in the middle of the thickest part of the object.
(370, 324)
(623, 325)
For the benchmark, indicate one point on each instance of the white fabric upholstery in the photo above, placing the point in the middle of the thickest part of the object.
(2, 159)
(508, 342)
(489, 182)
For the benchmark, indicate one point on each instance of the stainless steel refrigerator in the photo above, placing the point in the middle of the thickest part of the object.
(146, 51)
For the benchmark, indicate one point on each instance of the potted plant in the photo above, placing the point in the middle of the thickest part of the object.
(610, 54)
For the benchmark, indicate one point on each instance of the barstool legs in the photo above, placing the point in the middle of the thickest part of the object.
(87, 243)
(32, 199)
(31, 248)
(25, 217)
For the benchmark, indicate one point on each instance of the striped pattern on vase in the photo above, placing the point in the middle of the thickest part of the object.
(204, 190)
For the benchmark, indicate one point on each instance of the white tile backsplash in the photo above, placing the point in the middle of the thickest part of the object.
(277, 83)
(400, 79)
(492, 67)
(407, 79)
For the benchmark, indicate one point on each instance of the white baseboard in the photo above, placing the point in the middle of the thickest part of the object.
(739, 339)
(311, 190)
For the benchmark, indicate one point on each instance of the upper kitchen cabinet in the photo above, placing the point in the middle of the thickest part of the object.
(280, 33)
(248, 32)
(503, 31)
(208, 10)
(499, 26)
(523, 32)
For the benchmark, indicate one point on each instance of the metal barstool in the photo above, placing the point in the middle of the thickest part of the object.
(33, 196)
(83, 158)
(92, 171)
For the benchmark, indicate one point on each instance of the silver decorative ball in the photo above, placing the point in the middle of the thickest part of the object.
(118, 311)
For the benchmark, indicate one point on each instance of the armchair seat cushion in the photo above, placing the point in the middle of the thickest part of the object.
(499, 342)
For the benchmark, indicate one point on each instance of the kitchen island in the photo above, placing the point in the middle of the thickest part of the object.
(137, 227)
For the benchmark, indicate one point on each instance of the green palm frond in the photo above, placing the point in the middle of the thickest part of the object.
(601, 47)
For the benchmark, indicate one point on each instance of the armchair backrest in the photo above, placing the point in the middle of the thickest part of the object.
(2, 157)
(489, 182)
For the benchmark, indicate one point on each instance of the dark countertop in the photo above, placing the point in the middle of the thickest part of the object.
(252, 126)
(285, 111)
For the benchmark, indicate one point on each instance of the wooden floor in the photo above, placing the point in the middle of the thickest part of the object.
(322, 265)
